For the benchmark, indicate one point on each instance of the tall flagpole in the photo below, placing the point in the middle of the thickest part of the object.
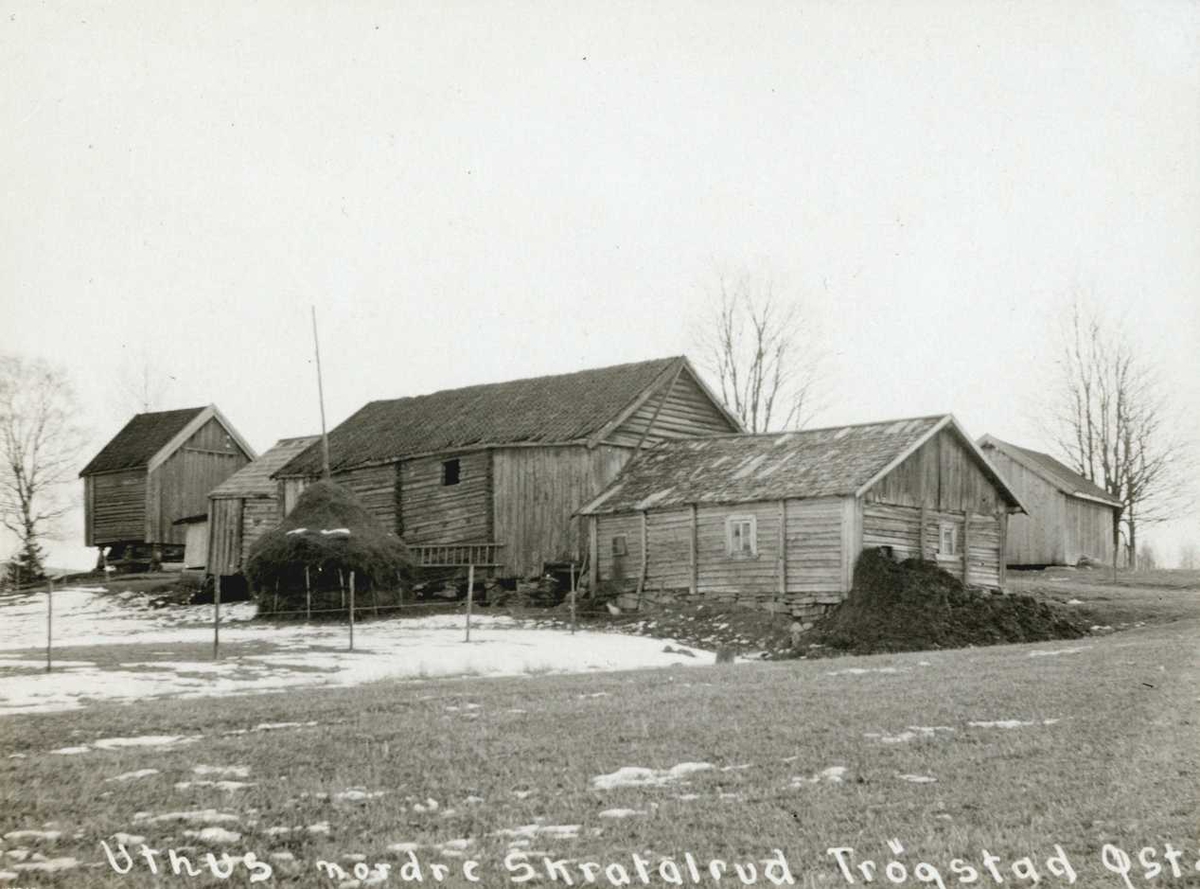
(321, 397)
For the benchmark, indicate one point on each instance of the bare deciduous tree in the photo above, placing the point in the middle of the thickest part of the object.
(140, 385)
(1111, 421)
(39, 447)
(758, 343)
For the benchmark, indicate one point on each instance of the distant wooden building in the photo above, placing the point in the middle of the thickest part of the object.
(777, 520)
(157, 469)
(1069, 516)
(494, 474)
(245, 506)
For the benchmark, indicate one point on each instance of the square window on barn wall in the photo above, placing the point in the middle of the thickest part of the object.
(741, 536)
(620, 545)
(450, 472)
(949, 539)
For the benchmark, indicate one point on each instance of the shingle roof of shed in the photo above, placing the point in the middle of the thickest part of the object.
(143, 437)
(561, 408)
(1058, 474)
(254, 479)
(837, 461)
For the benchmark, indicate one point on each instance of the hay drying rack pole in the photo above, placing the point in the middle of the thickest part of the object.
(321, 399)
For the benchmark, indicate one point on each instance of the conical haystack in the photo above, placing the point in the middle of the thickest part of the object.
(330, 534)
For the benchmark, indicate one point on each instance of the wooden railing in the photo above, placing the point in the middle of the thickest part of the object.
(451, 555)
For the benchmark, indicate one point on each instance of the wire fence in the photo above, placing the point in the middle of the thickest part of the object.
(352, 610)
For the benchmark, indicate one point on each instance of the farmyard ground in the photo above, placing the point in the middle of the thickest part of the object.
(1010, 749)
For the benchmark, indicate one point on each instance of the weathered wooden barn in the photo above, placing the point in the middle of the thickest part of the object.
(157, 469)
(493, 474)
(246, 505)
(1069, 517)
(777, 521)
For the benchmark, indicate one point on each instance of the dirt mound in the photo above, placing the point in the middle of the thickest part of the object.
(914, 606)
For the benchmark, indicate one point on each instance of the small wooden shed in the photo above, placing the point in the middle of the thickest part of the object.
(247, 505)
(1070, 517)
(159, 468)
(777, 521)
(494, 474)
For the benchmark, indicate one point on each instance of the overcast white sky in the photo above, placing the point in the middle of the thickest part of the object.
(473, 192)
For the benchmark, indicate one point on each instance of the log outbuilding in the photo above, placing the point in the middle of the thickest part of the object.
(158, 469)
(777, 520)
(493, 475)
(247, 505)
(1070, 517)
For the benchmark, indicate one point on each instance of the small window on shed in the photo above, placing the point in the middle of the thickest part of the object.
(620, 545)
(741, 535)
(949, 539)
(450, 472)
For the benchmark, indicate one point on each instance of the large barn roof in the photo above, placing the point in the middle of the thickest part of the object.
(254, 479)
(549, 410)
(141, 438)
(1056, 473)
(149, 438)
(832, 462)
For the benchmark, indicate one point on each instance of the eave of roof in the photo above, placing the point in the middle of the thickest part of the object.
(1065, 480)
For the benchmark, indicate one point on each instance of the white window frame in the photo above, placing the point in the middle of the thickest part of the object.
(752, 522)
(943, 527)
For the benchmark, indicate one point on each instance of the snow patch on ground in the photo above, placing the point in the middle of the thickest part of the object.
(917, 779)
(831, 775)
(637, 776)
(622, 813)
(1009, 723)
(859, 671)
(215, 835)
(1058, 651)
(307, 655)
(132, 776)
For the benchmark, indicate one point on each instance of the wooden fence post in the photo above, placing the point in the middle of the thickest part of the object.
(351, 610)
(49, 621)
(470, 598)
(216, 616)
(307, 595)
(572, 598)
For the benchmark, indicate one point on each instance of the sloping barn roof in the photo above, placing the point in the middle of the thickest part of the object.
(1056, 473)
(149, 438)
(551, 410)
(143, 437)
(837, 461)
(254, 479)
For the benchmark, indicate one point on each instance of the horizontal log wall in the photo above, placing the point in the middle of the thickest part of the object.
(375, 487)
(118, 502)
(259, 515)
(808, 580)
(899, 527)
(437, 513)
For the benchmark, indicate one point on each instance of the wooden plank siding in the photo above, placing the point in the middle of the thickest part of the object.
(942, 474)
(179, 486)
(1058, 530)
(685, 412)
(534, 494)
(119, 506)
(225, 536)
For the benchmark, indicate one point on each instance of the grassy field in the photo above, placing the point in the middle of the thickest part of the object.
(1011, 749)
